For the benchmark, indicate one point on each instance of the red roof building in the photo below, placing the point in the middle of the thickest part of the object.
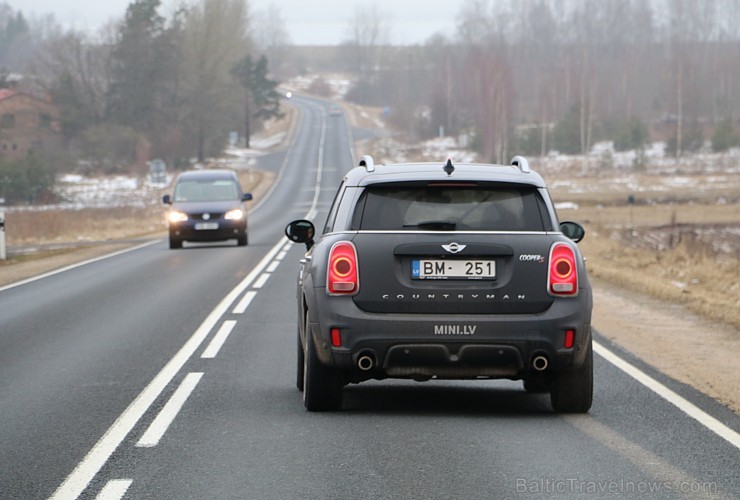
(27, 124)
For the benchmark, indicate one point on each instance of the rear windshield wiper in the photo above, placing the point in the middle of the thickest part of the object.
(438, 225)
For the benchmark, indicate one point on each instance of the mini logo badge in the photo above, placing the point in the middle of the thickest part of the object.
(206, 216)
(454, 247)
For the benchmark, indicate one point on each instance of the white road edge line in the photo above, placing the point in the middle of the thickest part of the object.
(218, 340)
(86, 470)
(313, 212)
(168, 413)
(114, 490)
(244, 303)
(79, 264)
(672, 397)
(288, 155)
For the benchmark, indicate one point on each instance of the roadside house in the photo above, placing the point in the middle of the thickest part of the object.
(27, 124)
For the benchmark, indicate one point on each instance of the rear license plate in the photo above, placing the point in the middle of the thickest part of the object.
(438, 269)
(201, 226)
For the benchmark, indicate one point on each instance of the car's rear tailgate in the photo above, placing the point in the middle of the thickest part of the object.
(464, 273)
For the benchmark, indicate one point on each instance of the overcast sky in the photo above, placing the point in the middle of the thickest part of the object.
(322, 22)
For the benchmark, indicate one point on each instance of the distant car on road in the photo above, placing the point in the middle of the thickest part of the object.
(430, 271)
(207, 205)
(335, 110)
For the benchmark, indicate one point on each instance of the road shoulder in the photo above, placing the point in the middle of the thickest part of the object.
(678, 343)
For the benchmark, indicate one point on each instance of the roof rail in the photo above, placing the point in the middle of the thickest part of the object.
(367, 162)
(522, 163)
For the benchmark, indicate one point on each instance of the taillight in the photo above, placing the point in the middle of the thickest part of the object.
(342, 276)
(563, 274)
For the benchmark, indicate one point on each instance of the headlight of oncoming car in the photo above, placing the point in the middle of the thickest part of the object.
(235, 214)
(178, 216)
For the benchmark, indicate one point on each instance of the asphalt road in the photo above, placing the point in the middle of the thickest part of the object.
(171, 374)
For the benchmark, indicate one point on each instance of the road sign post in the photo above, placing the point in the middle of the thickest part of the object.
(2, 235)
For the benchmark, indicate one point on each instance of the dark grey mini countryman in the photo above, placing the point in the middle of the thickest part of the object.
(441, 271)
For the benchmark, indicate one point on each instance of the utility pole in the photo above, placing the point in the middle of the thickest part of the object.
(2, 235)
(5, 180)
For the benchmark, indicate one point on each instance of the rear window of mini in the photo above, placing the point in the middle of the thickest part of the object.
(449, 207)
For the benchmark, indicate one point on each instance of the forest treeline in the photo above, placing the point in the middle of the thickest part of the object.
(145, 86)
(541, 75)
(515, 77)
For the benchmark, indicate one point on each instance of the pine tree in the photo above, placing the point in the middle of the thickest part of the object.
(261, 98)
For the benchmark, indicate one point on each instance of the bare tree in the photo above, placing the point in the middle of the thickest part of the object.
(489, 95)
(368, 31)
(270, 36)
(76, 72)
(215, 40)
(268, 29)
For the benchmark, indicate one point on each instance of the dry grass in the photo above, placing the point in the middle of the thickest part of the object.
(83, 225)
(662, 251)
(642, 216)
(680, 239)
(80, 227)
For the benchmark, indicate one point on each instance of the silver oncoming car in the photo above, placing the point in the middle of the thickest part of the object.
(443, 271)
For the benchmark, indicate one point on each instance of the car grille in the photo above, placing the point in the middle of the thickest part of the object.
(211, 216)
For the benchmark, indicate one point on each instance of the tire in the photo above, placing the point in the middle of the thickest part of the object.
(242, 240)
(300, 361)
(572, 391)
(175, 243)
(322, 385)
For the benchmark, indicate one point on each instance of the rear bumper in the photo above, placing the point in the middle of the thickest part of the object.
(451, 346)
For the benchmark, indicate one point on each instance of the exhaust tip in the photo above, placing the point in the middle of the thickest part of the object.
(366, 362)
(540, 363)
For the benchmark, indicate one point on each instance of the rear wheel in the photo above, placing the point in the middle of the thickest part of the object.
(322, 385)
(572, 391)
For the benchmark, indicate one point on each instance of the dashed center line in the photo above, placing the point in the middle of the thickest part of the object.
(261, 281)
(218, 340)
(80, 478)
(244, 303)
(160, 424)
(114, 490)
(83, 474)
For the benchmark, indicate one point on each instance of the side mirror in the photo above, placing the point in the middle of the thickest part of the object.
(573, 230)
(247, 197)
(167, 200)
(301, 231)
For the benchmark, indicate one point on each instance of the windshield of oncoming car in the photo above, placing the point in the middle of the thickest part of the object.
(206, 190)
(476, 208)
